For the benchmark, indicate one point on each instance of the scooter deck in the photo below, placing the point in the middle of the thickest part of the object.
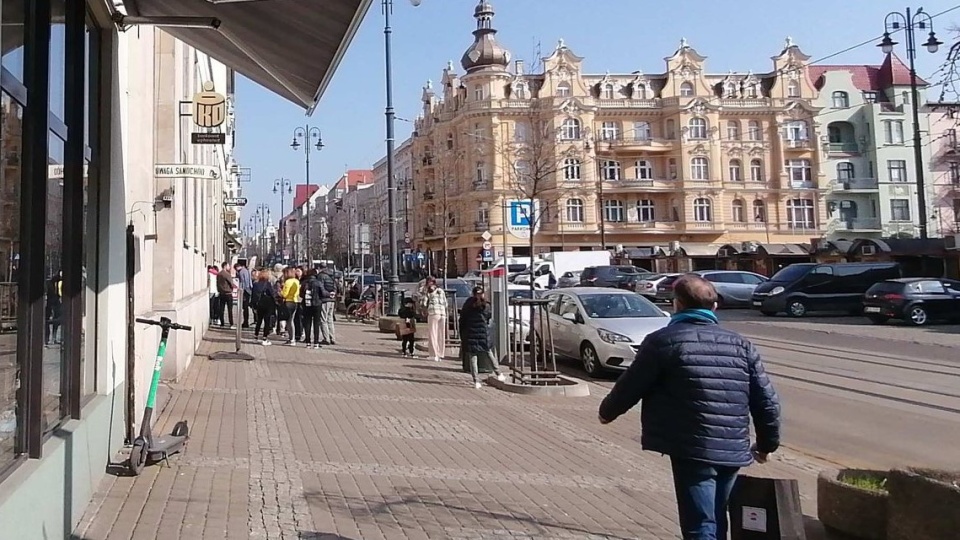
(166, 445)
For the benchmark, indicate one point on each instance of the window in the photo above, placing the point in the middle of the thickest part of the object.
(450, 141)
(733, 130)
(870, 97)
(841, 100)
(672, 168)
(644, 170)
(609, 92)
(956, 211)
(897, 169)
(845, 171)
(481, 174)
(796, 131)
(640, 92)
(483, 215)
(800, 214)
(697, 128)
(893, 131)
(610, 170)
(756, 170)
(645, 211)
(478, 93)
(736, 211)
(955, 172)
(900, 210)
(793, 89)
(951, 136)
(799, 171)
(753, 131)
(570, 129)
(575, 210)
(642, 131)
(610, 131)
(735, 170)
(686, 89)
(759, 211)
(571, 169)
(671, 129)
(702, 210)
(750, 91)
(563, 89)
(520, 91)
(700, 168)
(521, 132)
(477, 132)
(613, 211)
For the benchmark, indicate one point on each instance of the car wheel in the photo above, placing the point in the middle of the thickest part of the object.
(796, 307)
(590, 360)
(917, 316)
(878, 319)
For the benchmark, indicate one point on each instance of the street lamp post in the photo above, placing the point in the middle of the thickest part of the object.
(908, 22)
(263, 219)
(283, 186)
(307, 134)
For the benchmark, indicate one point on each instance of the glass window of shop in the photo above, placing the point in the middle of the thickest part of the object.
(47, 235)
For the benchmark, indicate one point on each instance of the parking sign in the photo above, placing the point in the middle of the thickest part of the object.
(522, 213)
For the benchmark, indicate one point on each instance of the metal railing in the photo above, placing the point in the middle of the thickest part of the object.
(530, 351)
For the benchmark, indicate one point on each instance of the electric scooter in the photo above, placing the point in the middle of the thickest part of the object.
(146, 448)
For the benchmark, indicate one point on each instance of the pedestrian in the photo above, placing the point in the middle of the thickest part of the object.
(699, 384)
(474, 338)
(265, 300)
(225, 294)
(311, 290)
(246, 289)
(301, 312)
(53, 310)
(290, 293)
(328, 304)
(434, 301)
(212, 273)
(408, 327)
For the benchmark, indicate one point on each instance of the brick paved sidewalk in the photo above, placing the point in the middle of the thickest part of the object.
(355, 442)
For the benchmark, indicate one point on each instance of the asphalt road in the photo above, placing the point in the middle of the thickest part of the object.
(859, 395)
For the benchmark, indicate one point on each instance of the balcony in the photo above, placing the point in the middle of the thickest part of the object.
(428, 195)
(741, 226)
(480, 226)
(640, 184)
(798, 144)
(746, 103)
(481, 185)
(858, 224)
(429, 232)
(854, 184)
(623, 143)
(843, 148)
(627, 103)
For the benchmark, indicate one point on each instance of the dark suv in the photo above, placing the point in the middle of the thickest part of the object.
(915, 300)
(620, 277)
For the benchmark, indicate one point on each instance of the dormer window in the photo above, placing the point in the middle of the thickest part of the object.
(870, 97)
(640, 92)
(478, 93)
(793, 89)
(841, 100)
(686, 89)
(520, 91)
(751, 91)
(563, 89)
(609, 92)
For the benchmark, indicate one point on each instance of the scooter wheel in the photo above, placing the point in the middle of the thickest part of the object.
(180, 429)
(138, 456)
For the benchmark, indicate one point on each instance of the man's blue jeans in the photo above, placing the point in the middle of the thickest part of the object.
(702, 494)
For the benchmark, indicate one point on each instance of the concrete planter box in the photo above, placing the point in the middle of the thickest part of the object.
(924, 505)
(855, 511)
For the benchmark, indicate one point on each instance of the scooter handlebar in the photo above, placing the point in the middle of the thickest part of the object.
(169, 324)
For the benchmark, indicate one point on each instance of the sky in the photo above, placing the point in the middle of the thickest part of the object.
(619, 36)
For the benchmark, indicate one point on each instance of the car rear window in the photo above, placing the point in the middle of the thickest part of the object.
(885, 287)
(669, 280)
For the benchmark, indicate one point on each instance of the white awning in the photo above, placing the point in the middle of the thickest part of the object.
(290, 47)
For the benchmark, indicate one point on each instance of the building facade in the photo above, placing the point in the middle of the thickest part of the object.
(340, 214)
(403, 183)
(867, 137)
(945, 168)
(638, 161)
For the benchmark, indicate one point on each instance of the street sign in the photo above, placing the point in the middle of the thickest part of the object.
(487, 246)
(235, 201)
(420, 256)
(203, 137)
(486, 236)
(521, 215)
(487, 255)
(174, 170)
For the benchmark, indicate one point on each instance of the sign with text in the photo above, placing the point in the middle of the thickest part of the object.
(212, 137)
(209, 107)
(235, 201)
(521, 213)
(202, 172)
(55, 172)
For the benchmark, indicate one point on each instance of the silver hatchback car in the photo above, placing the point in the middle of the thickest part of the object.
(734, 287)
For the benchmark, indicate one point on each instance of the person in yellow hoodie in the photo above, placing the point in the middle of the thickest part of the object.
(290, 294)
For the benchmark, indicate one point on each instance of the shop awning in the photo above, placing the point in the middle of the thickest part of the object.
(290, 47)
(693, 249)
(776, 250)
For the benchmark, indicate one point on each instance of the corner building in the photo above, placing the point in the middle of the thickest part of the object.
(645, 161)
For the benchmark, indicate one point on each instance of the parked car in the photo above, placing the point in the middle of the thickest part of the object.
(647, 284)
(665, 288)
(618, 276)
(569, 279)
(914, 300)
(602, 327)
(802, 288)
(734, 287)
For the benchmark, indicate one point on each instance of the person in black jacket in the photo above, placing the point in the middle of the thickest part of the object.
(265, 299)
(474, 316)
(699, 384)
(408, 327)
(311, 291)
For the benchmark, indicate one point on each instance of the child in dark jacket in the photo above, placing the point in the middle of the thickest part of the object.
(408, 327)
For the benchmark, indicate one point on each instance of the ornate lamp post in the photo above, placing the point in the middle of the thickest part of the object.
(909, 22)
(307, 134)
(283, 186)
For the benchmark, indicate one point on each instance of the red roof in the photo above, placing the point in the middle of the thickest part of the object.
(354, 177)
(302, 194)
(892, 72)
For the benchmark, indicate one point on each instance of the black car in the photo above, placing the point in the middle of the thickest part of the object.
(619, 276)
(802, 288)
(914, 300)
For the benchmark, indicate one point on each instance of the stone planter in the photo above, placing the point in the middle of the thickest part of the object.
(855, 511)
(924, 505)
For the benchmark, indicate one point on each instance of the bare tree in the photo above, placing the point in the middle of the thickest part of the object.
(445, 213)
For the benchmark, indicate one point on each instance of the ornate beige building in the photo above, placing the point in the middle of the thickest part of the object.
(633, 160)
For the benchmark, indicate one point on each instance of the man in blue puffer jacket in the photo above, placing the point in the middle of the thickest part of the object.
(700, 384)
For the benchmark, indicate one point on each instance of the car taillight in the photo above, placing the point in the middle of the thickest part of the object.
(648, 285)
(893, 296)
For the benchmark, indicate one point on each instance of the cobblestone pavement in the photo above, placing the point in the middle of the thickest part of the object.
(354, 442)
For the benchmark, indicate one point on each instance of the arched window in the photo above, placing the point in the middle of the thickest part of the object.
(571, 169)
(520, 91)
(759, 211)
(733, 130)
(646, 211)
(644, 170)
(753, 131)
(730, 90)
(700, 168)
(702, 209)
(686, 89)
(610, 170)
(642, 131)
(756, 170)
(841, 100)
(697, 128)
(736, 170)
(570, 129)
(613, 211)
(609, 91)
(563, 89)
(845, 171)
(481, 173)
(736, 211)
(671, 129)
(575, 210)
(799, 172)
(640, 92)
(793, 89)
(751, 91)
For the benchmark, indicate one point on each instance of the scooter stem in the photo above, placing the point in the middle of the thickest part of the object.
(145, 429)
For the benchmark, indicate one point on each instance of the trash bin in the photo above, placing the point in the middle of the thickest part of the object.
(766, 509)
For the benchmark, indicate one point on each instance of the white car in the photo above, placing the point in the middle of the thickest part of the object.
(647, 286)
(602, 327)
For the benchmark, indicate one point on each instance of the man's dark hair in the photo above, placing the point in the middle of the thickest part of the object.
(226, 263)
(694, 292)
